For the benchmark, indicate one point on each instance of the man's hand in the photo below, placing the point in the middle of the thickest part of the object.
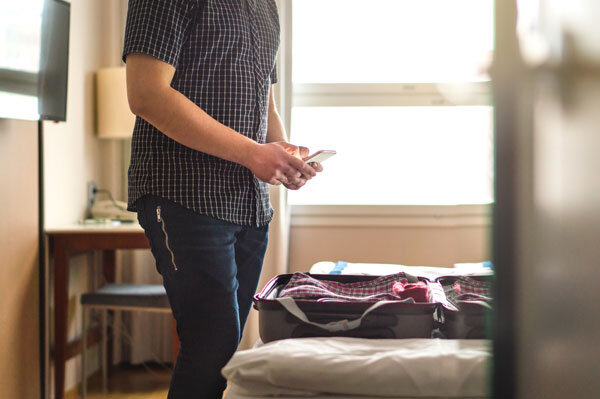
(316, 166)
(299, 179)
(276, 135)
(299, 152)
(304, 153)
(281, 163)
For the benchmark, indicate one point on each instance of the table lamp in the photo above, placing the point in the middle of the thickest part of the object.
(115, 120)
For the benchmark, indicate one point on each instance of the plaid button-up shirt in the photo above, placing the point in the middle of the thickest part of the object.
(224, 54)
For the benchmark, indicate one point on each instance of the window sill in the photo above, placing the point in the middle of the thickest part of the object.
(479, 215)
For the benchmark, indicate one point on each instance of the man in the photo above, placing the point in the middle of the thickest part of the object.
(206, 142)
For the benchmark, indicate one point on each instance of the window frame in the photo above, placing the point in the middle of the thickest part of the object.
(475, 215)
(390, 94)
(18, 82)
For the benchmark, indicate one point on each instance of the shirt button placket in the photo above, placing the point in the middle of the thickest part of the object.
(259, 85)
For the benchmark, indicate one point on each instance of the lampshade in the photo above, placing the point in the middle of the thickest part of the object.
(115, 120)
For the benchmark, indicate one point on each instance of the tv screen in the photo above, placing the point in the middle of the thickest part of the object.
(34, 43)
(54, 61)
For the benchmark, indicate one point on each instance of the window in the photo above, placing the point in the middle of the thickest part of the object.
(20, 29)
(400, 89)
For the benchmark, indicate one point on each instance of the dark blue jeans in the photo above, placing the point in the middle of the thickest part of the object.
(210, 269)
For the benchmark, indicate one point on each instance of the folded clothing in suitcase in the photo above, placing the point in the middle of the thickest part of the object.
(288, 309)
(393, 287)
(471, 297)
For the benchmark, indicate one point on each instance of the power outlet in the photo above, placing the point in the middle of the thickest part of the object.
(91, 195)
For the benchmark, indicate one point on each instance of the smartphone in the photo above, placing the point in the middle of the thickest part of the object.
(320, 156)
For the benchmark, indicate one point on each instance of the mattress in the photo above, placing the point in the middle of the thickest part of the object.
(353, 368)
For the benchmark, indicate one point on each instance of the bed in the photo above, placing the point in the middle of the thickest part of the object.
(360, 368)
(356, 368)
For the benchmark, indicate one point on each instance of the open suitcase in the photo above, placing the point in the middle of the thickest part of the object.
(281, 318)
(466, 318)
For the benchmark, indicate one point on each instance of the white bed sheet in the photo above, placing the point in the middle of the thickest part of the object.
(381, 269)
(349, 368)
(233, 394)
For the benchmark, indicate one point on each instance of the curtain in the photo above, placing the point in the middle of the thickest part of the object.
(275, 260)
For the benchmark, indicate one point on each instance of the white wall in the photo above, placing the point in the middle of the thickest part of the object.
(73, 155)
(426, 246)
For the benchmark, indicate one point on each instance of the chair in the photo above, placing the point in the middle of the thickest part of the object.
(129, 297)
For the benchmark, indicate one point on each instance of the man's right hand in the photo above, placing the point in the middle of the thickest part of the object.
(274, 163)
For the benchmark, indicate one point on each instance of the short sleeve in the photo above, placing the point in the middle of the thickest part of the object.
(274, 74)
(158, 28)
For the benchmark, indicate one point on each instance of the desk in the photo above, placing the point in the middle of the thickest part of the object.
(64, 240)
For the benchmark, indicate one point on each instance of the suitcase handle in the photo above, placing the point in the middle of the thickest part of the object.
(370, 321)
(306, 331)
(342, 325)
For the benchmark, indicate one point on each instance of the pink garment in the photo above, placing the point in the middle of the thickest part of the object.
(418, 291)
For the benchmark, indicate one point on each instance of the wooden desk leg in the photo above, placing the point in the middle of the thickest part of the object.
(109, 257)
(61, 305)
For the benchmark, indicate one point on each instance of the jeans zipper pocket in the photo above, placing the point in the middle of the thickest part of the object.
(161, 220)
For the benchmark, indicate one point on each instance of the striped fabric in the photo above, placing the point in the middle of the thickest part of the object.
(224, 54)
(467, 285)
(465, 288)
(393, 287)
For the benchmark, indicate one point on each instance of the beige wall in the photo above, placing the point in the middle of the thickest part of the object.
(73, 154)
(426, 246)
(19, 329)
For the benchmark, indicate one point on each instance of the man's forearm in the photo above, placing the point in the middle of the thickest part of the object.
(275, 128)
(179, 118)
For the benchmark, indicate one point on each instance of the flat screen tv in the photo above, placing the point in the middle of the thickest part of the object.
(54, 61)
(34, 54)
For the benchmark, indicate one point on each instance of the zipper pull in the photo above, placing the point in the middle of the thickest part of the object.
(158, 213)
